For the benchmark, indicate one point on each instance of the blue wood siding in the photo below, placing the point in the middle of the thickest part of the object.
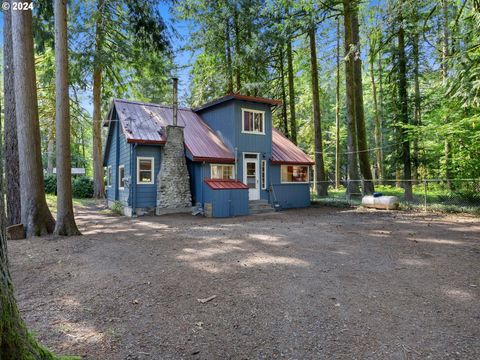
(226, 203)
(146, 194)
(261, 144)
(198, 172)
(111, 158)
(221, 119)
(288, 195)
(124, 155)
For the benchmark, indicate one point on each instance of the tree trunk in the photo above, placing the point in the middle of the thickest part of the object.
(284, 95)
(362, 143)
(291, 93)
(417, 100)
(98, 184)
(403, 97)
(36, 216)
(378, 121)
(50, 152)
(337, 111)
(238, 75)
(15, 341)
(380, 109)
(228, 50)
(320, 176)
(65, 224)
(445, 54)
(12, 171)
(353, 177)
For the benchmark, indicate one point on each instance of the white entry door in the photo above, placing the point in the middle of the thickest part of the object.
(251, 176)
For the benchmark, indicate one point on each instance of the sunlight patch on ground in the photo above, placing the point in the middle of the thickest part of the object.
(268, 239)
(79, 332)
(438, 241)
(261, 258)
(414, 262)
(457, 294)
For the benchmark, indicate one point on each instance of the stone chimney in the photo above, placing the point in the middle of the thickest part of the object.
(173, 189)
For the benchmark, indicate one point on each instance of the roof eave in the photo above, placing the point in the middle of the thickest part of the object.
(282, 162)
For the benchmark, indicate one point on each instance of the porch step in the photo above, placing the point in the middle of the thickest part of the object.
(260, 207)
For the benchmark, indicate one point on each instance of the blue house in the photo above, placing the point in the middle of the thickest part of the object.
(236, 160)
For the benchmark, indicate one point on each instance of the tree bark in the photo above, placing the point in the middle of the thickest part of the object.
(403, 97)
(238, 75)
(353, 177)
(417, 118)
(362, 143)
(284, 94)
(36, 216)
(98, 184)
(291, 93)
(380, 108)
(445, 55)
(320, 177)
(65, 224)
(228, 49)
(12, 171)
(15, 341)
(337, 110)
(50, 152)
(378, 121)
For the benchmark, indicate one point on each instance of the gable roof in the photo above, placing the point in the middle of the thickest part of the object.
(286, 152)
(233, 96)
(145, 123)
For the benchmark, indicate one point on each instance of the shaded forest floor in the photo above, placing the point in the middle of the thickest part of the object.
(319, 283)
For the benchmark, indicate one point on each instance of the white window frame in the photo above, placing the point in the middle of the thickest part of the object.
(255, 112)
(295, 182)
(109, 176)
(119, 177)
(152, 160)
(263, 174)
(233, 170)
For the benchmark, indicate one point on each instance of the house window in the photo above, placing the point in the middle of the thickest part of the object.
(264, 174)
(219, 171)
(145, 170)
(109, 176)
(294, 174)
(253, 121)
(121, 177)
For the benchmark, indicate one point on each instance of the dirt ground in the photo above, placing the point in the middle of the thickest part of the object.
(319, 283)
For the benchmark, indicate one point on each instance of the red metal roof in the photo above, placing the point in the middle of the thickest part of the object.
(239, 97)
(225, 184)
(146, 124)
(286, 152)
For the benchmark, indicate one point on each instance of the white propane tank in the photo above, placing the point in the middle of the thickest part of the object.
(380, 202)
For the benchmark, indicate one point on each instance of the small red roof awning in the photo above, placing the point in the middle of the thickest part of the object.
(225, 184)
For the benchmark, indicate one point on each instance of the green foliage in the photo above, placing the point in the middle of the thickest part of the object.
(51, 184)
(117, 208)
(82, 187)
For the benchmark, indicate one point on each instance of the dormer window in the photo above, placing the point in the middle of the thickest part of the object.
(253, 121)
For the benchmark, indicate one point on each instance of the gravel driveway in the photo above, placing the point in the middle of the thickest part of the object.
(319, 283)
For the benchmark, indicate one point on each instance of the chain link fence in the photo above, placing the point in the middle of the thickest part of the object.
(449, 195)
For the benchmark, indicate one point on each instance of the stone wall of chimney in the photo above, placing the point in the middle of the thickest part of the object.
(173, 188)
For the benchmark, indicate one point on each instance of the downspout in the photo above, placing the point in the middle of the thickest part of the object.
(236, 164)
(133, 180)
(203, 185)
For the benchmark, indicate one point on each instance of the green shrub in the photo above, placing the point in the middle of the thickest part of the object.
(82, 187)
(117, 208)
(51, 184)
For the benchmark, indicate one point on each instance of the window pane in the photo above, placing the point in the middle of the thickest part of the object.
(294, 173)
(145, 165)
(145, 176)
(222, 171)
(247, 121)
(258, 122)
(121, 177)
